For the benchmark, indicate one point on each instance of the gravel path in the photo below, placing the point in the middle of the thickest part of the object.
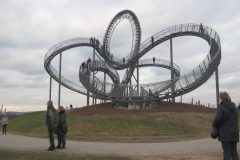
(200, 146)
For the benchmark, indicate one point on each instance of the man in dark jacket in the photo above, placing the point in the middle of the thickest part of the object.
(226, 121)
(51, 122)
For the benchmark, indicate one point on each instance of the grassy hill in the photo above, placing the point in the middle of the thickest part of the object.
(103, 123)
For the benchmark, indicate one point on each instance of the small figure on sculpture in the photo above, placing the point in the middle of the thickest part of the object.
(84, 67)
(201, 29)
(152, 39)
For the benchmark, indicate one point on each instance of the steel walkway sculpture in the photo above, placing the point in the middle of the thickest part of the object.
(122, 90)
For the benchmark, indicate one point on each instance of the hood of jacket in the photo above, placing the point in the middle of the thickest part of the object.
(229, 105)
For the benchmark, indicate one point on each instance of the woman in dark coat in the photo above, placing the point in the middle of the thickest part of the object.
(62, 128)
(226, 121)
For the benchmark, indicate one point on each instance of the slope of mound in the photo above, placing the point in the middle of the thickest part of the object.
(169, 122)
(107, 109)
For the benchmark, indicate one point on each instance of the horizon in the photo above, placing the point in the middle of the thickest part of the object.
(77, 107)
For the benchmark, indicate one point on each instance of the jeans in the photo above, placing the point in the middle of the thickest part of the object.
(4, 129)
(61, 139)
(230, 150)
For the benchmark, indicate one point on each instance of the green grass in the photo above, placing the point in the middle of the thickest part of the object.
(16, 155)
(95, 127)
(29, 124)
(98, 126)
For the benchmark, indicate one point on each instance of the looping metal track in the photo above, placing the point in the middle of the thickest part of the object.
(122, 91)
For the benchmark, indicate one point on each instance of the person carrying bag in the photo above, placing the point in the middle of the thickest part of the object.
(225, 125)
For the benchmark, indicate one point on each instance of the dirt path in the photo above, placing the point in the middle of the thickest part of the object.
(191, 147)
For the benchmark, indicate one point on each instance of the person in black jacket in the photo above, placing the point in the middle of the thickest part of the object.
(51, 122)
(62, 128)
(226, 121)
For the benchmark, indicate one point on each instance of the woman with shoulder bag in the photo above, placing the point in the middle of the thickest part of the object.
(226, 122)
(62, 128)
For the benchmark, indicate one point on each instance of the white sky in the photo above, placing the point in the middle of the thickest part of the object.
(29, 28)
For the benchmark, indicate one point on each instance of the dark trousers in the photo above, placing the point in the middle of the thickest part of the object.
(230, 150)
(61, 139)
(4, 129)
(51, 138)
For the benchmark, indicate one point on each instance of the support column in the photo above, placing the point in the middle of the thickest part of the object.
(87, 98)
(93, 74)
(50, 89)
(138, 77)
(172, 74)
(217, 86)
(59, 83)
(130, 88)
(104, 84)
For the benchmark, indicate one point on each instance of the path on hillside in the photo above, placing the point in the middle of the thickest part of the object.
(201, 146)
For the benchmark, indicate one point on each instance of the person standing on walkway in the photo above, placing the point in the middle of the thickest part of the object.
(226, 122)
(51, 122)
(62, 128)
(4, 122)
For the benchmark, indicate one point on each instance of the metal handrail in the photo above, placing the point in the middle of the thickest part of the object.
(182, 84)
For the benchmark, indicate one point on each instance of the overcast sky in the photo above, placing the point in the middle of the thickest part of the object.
(29, 28)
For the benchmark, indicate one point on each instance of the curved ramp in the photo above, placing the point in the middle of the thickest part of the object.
(109, 64)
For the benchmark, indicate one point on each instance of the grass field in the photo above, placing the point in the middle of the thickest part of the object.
(126, 128)
(17, 155)
(118, 126)
(43, 155)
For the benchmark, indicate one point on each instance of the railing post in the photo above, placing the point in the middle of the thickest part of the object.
(200, 69)
(194, 75)
(205, 65)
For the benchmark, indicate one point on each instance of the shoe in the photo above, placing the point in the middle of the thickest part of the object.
(58, 147)
(63, 147)
(51, 149)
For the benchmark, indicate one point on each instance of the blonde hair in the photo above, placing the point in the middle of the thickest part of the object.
(224, 96)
